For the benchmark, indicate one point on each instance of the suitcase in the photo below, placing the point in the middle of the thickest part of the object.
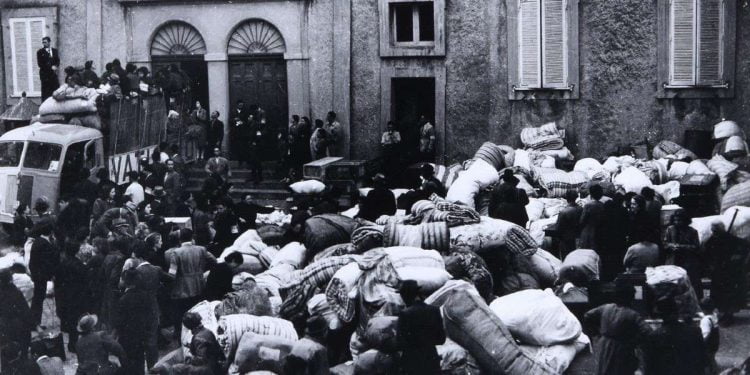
(49, 344)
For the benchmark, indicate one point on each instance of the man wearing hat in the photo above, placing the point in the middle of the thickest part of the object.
(419, 329)
(309, 355)
(45, 257)
(94, 348)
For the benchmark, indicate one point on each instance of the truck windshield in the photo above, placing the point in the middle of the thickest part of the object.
(10, 153)
(45, 156)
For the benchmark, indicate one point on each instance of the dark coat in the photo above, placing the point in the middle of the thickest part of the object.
(15, 316)
(132, 318)
(219, 282)
(591, 222)
(93, 350)
(215, 134)
(20, 225)
(71, 292)
(379, 201)
(617, 331)
(675, 349)
(46, 62)
(149, 279)
(224, 224)
(419, 329)
(249, 212)
(728, 255)
(45, 257)
(569, 227)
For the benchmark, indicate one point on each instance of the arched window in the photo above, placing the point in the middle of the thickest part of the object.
(177, 38)
(256, 37)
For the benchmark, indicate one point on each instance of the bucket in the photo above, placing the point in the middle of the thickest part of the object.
(492, 154)
(667, 212)
(429, 236)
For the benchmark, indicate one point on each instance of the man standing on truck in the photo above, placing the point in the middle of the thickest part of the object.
(48, 60)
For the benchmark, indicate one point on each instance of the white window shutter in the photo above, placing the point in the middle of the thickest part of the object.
(709, 49)
(19, 42)
(529, 43)
(682, 42)
(36, 34)
(554, 44)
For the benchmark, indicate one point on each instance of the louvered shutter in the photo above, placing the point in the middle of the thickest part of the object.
(709, 42)
(529, 51)
(20, 55)
(554, 40)
(36, 28)
(682, 42)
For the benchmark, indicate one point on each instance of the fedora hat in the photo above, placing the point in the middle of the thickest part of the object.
(87, 323)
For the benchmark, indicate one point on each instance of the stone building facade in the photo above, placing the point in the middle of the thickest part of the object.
(609, 72)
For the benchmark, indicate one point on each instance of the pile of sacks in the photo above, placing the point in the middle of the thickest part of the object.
(76, 106)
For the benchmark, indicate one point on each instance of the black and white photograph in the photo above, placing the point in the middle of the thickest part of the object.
(374, 187)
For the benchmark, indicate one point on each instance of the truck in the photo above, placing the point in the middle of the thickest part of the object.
(45, 159)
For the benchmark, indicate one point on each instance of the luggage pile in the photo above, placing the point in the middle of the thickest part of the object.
(76, 106)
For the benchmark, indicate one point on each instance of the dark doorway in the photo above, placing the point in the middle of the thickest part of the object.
(261, 81)
(412, 98)
(195, 68)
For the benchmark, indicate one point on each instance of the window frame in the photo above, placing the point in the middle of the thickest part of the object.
(389, 47)
(31, 67)
(727, 59)
(515, 92)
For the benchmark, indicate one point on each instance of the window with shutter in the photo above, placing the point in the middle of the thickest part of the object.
(25, 37)
(554, 35)
(529, 62)
(543, 45)
(696, 44)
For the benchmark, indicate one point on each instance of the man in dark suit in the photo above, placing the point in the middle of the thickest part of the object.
(238, 131)
(49, 61)
(419, 329)
(131, 320)
(43, 263)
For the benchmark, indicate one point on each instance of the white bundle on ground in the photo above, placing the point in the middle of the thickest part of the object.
(318, 305)
(274, 218)
(70, 106)
(614, 164)
(294, 254)
(456, 360)
(546, 267)
(208, 319)
(698, 167)
(558, 182)
(558, 357)
(479, 176)
(262, 353)
(522, 160)
(723, 168)
(668, 191)
(561, 154)
(535, 209)
(272, 279)
(632, 180)
(438, 297)
(581, 262)
(673, 282)
(308, 187)
(703, 226)
(24, 284)
(740, 223)
(737, 195)
(230, 329)
(537, 317)
(426, 267)
(726, 129)
(592, 168)
(341, 292)
(732, 147)
(537, 228)
(491, 233)
(470, 323)
(553, 206)
(10, 259)
(678, 170)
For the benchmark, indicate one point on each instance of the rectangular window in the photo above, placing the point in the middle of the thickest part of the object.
(413, 23)
(542, 44)
(696, 42)
(44, 156)
(25, 38)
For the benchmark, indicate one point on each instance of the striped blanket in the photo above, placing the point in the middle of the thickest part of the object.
(448, 174)
(545, 137)
(558, 182)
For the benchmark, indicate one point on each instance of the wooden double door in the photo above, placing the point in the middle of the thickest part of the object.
(261, 81)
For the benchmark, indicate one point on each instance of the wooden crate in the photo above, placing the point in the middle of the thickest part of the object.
(352, 170)
(317, 169)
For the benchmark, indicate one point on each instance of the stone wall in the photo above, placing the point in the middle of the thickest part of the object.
(618, 69)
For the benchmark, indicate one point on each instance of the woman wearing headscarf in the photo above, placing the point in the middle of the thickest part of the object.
(683, 249)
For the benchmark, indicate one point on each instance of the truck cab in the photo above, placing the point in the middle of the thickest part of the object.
(44, 160)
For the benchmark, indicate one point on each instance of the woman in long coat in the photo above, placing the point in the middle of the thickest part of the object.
(71, 291)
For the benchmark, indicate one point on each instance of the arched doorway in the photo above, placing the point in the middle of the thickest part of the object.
(257, 75)
(179, 43)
